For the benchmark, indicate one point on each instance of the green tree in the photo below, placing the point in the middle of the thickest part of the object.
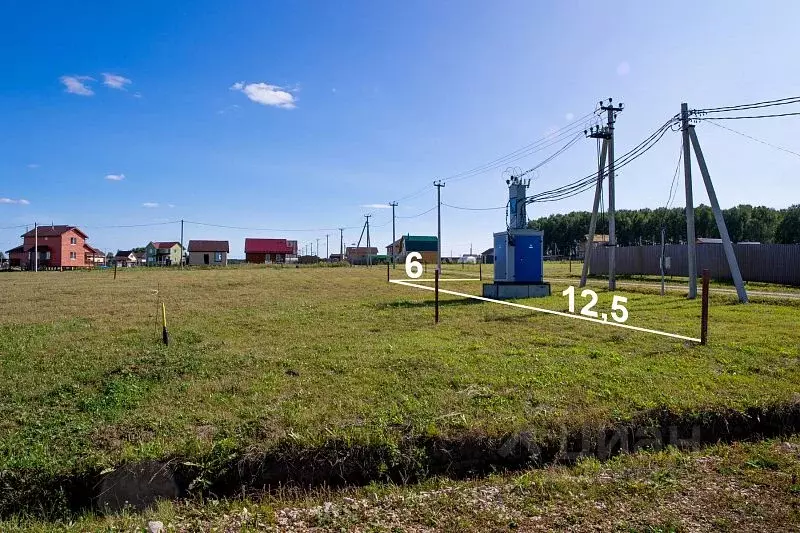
(788, 229)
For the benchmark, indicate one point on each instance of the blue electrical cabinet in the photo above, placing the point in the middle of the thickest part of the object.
(518, 256)
(500, 255)
(528, 259)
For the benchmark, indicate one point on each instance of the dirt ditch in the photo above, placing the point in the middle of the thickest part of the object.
(337, 463)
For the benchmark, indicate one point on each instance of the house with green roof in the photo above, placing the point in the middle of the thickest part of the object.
(425, 245)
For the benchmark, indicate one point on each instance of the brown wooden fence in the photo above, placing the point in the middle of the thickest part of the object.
(769, 263)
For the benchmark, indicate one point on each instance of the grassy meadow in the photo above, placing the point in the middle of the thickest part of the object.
(262, 356)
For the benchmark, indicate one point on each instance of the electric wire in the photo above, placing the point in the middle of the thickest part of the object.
(755, 105)
(753, 138)
(266, 229)
(473, 208)
(118, 226)
(584, 184)
(744, 117)
(552, 156)
(546, 141)
(673, 189)
(16, 227)
(418, 215)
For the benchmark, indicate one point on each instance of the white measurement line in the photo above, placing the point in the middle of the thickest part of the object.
(548, 311)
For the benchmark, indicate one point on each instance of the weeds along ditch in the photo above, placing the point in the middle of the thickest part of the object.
(333, 377)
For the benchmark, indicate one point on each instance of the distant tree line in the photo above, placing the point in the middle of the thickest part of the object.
(565, 233)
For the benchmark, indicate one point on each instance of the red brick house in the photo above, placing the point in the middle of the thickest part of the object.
(58, 247)
(15, 256)
(269, 250)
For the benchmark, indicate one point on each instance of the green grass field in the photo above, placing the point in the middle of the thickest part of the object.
(267, 357)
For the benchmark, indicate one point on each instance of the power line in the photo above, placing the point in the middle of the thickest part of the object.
(672, 188)
(548, 140)
(752, 116)
(584, 184)
(265, 229)
(420, 214)
(414, 194)
(755, 105)
(506, 161)
(473, 208)
(17, 227)
(133, 225)
(552, 156)
(753, 138)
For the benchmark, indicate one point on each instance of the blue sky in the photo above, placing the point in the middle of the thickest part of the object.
(296, 115)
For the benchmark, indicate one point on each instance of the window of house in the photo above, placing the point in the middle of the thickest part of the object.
(217, 257)
(73, 255)
(73, 240)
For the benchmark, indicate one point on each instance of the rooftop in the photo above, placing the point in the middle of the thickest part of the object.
(209, 246)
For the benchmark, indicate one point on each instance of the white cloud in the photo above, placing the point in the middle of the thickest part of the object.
(266, 94)
(115, 81)
(137, 94)
(569, 117)
(170, 205)
(115, 177)
(33, 165)
(150, 204)
(77, 85)
(20, 201)
(623, 68)
(377, 206)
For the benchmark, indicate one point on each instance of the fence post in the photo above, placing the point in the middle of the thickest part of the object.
(704, 313)
(480, 269)
(436, 312)
(387, 272)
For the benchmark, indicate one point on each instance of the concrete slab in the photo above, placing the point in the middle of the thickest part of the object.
(507, 291)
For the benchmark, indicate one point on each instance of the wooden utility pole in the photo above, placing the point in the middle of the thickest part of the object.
(704, 308)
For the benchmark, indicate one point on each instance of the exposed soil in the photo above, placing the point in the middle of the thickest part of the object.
(411, 459)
